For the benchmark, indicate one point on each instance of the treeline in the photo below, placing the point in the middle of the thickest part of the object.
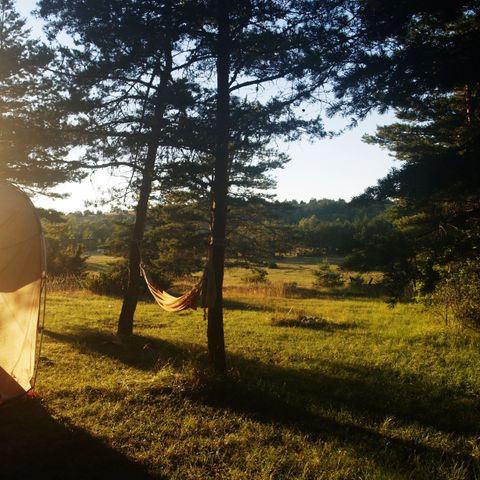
(177, 233)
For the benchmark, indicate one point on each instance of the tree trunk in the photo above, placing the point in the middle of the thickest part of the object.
(215, 334)
(130, 299)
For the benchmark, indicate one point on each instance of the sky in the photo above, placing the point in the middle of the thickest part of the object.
(329, 168)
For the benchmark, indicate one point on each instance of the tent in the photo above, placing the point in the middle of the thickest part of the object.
(22, 281)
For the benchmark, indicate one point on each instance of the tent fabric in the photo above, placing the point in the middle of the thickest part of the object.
(22, 270)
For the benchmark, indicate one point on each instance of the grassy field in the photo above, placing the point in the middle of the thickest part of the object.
(361, 391)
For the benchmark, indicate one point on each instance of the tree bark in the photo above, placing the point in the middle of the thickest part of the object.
(215, 332)
(130, 299)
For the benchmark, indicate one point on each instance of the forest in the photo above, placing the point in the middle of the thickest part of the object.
(192, 325)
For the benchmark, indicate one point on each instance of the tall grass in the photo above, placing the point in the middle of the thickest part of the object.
(65, 283)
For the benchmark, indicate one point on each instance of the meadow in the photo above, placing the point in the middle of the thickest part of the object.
(320, 386)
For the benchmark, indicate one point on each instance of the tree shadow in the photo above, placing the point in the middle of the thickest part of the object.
(298, 398)
(376, 392)
(34, 445)
(245, 306)
(138, 351)
(373, 392)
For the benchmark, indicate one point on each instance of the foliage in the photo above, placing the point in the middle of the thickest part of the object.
(435, 42)
(114, 280)
(375, 244)
(326, 276)
(69, 260)
(327, 210)
(257, 275)
(29, 122)
(177, 231)
(257, 231)
(326, 237)
(176, 237)
(459, 292)
(93, 229)
(65, 255)
(435, 219)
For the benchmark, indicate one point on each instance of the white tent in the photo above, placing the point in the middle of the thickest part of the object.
(22, 276)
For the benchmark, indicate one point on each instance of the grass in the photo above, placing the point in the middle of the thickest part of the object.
(97, 262)
(368, 393)
(296, 272)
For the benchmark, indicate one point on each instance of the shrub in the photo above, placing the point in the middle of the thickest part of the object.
(68, 260)
(114, 281)
(299, 320)
(257, 275)
(459, 292)
(357, 281)
(325, 276)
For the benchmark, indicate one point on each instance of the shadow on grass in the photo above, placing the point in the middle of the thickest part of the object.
(312, 323)
(230, 304)
(336, 293)
(298, 399)
(36, 446)
(138, 351)
(281, 396)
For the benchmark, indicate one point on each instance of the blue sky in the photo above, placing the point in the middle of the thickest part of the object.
(330, 168)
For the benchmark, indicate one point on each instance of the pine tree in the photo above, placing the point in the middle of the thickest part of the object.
(128, 97)
(29, 125)
(437, 186)
(420, 58)
(293, 47)
(407, 52)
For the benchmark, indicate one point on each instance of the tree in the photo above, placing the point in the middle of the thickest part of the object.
(292, 46)
(28, 124)
(128, 97)
(407, 52)
(421, 59)
(437, 186)
(135, 107)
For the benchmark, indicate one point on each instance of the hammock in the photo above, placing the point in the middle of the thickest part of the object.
(170, 303)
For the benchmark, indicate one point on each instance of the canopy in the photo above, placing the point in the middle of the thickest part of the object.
(22, 267)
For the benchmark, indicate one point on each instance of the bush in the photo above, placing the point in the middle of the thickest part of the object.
(68, 260)
(357, 281)
(459, 293)
(299, 320)
(114, 281)
(327, 277)
(257, 275)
